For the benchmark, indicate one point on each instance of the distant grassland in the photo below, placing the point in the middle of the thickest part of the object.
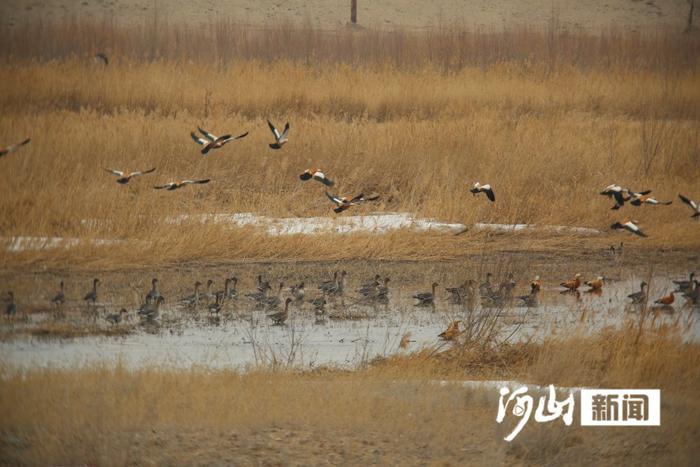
(549, 118)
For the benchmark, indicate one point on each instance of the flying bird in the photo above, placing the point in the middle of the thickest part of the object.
(343, 203)
(647, 199)
(695, 206)
(479, 188)
(176, 185)
(211, 141)
(621, 195)
(316, 174)
(125, 176)
(630, 226)
(280, 138)
(13, 147)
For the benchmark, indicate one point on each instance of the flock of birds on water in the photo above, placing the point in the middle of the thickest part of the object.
(376, 291)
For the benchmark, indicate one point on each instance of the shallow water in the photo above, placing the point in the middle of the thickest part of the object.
(351, 334)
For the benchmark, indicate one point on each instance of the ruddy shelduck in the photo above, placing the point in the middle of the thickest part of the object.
(175, 185)
(479, 188)
(280, 138)
(572, 284)
(211, 141)
(630, 226)
(316, 174)
(126, 176)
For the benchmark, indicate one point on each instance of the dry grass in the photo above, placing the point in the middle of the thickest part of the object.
(114, 416)
(548, 118)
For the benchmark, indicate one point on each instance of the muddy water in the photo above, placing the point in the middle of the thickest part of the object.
(350, 334)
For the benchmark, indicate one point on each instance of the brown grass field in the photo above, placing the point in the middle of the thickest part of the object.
(390, 412)
(549, 117)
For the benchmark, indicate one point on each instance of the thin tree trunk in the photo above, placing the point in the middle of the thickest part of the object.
(353, 11)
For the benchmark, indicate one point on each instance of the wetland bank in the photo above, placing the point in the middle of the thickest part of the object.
(548, 115)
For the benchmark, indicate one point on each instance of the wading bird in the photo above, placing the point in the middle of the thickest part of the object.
(279, 318)
(11, 307)
(630, 226)
(694, 205)
(13, 147)
(316, 174)
(116, 318)
(641, 296)
(532, 299)
(479, 188)
(211, 141)
(280, 138)
(572, 284)
(426, 298)
(60, 297)
(595, 284)
(175, 185)
(91, 296)
(452, 332)
(125, 176)
(150, 311)
(666, 299)
(682, 286)
(153, 294)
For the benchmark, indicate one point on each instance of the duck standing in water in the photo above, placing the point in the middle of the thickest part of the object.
(150, 311)
(573, 284)
(426, 298)
(11, 307)
(116, 318)
(641, 296)
(60, 298)
(91, 296)
(153, 294)
(279, 318)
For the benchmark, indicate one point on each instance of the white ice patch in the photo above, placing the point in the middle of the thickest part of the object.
(23, 243)
(373, 223)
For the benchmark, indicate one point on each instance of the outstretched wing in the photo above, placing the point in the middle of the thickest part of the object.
(143, 172)
(118, 173)
(274, 130)
(207, 135)
(160, 187)
(190, 182)
(285, 133)
(333, 198)
(13, 147)
(490, 195)
(689, 202)
(198, 140)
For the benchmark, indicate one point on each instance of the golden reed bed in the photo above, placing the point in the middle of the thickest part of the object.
(549, 118)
